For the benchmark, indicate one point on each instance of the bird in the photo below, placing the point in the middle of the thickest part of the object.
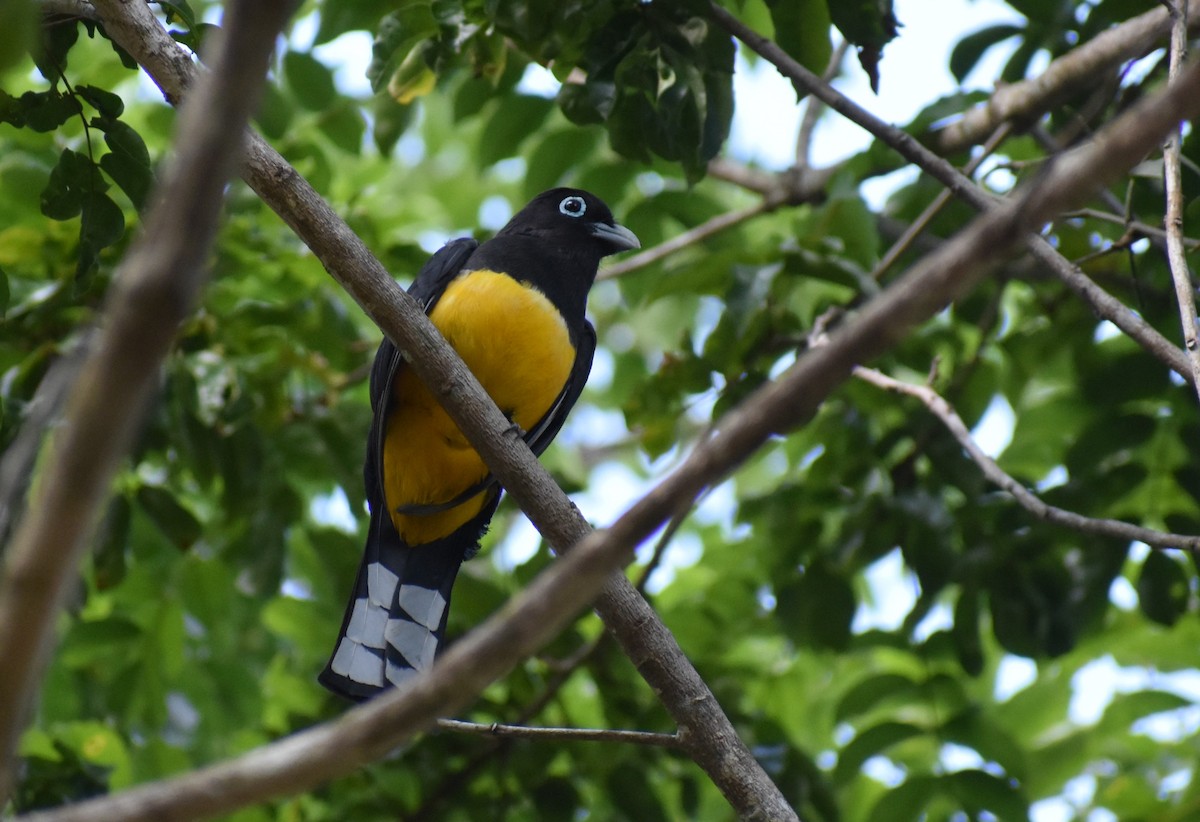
(514, 308)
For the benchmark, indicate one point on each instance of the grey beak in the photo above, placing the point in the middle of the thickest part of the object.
(618, 237)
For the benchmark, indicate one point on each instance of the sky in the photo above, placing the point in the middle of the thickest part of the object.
(913, 73)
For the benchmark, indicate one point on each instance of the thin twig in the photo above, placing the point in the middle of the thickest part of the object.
(656, 740)
(922, 222)
(1185, 293)
(813, 108)
(1137, 227)
(1026, 498)
(690, 237)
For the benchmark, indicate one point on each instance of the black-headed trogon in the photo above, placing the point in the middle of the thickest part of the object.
(513, 308)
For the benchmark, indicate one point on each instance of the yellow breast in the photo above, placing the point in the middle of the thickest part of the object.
(517, 345)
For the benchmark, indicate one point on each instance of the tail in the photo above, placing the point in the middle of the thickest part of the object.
(396, 618)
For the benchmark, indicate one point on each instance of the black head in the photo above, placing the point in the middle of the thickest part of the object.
(569, 218)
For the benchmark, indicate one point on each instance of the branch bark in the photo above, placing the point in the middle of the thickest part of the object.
(648, 738)
(1031, 502)
(1185, 292)
(369, 731)
(1073, 71)
(153, 292)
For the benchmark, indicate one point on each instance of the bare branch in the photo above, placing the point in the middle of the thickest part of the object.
(1075, 70)
(153, 292)
(690, 237)
(1026, 498)
(813, 108)
(1185, 292)
(1100, 301)
(656, 740)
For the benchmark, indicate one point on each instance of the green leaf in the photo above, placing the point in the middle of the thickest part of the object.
(1163, 588)
(871, 742)
(966, 635)
(818, 609)
(802, 30)
(971, 48)
(176, 521)
(396, 37)
(310, 80)
(298, 621)
(72, 181)
(632, 793)
(44, 111)
(344, 125)
(868, 24)
(868, 693)
(102, 223)
(127, 162)
(555, 156)
(509, 126)
(907, 801)
(18, 31)
(105, 102)
(979, 791)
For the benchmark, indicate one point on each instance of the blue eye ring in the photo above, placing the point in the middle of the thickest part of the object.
(573, 206)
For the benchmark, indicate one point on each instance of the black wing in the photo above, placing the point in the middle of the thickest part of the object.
(541, 435)
(429, 285)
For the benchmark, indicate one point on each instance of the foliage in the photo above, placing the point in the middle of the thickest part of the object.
(216, 584)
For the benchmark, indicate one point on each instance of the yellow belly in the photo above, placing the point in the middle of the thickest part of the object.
(516, 343)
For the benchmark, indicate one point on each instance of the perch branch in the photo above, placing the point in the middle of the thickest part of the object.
(656, 740)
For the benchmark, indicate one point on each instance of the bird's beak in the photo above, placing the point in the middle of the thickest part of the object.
(618, 237)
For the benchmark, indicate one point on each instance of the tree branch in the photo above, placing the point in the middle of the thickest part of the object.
(153, 292)
(532, 617)
(656, 740)
(1185, 292)
(690, 237)
(1136, 226)
(709, 736)
(1073, 71)
(1026, 498)
(1100, 301)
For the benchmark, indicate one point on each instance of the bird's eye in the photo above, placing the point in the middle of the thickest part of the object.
(573, 207)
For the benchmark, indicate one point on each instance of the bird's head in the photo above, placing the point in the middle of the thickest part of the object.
(571, 218)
